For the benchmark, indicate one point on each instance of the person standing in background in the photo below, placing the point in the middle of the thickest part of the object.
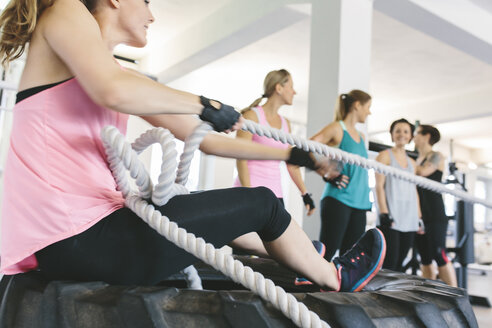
(278, 89)
(397, 199)
(345, 199)
(432, 244)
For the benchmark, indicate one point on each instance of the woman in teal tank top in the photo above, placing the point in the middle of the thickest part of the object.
(345, 199)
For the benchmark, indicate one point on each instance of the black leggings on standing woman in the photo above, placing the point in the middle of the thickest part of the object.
(341, 226)
(123, 249)
(398, 244)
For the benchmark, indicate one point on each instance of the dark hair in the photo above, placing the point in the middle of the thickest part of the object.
(402, 120)
(435, 136)
(346, 100)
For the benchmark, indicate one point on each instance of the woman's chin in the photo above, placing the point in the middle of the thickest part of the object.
(137, 43)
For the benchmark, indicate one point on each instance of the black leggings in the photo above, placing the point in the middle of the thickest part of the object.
(397, 246)
(123, 249)
(432, 244)
(341, 226)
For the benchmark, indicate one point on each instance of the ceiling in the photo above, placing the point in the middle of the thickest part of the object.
(413, 74)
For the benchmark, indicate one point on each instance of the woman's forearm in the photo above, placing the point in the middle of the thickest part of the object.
(380, 193)
(419, 211)
(221, 145)
(383, 208)
(243, 172)
(295, 174)
(182, 126)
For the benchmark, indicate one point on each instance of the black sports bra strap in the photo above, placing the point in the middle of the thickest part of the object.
(21, 95)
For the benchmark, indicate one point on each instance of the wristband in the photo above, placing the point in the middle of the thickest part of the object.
(306, 198)
(301, 157)
(385, 220)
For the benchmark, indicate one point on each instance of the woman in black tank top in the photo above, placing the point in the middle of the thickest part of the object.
(431, 203)
(432, 243)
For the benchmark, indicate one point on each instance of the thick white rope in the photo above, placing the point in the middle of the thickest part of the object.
(192, 278)
(123, 157)
(340, 155)
(164, 191)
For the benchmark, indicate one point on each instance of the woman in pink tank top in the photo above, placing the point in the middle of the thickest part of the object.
(62, 213)
(278, 88)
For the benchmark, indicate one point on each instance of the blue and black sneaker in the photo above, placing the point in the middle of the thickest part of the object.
(321, 249)
(362, 262)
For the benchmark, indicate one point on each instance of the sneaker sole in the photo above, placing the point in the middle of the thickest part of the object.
(302, 283)
(307, 282)
(363, 282)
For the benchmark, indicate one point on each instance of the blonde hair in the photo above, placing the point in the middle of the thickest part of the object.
(273, 78)
(17, 23)
(346, 100)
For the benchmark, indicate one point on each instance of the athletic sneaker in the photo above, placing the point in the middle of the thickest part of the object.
(321, 249)
(362, 262)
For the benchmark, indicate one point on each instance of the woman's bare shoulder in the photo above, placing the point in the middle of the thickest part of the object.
(250, 115)
(43, 65)
(384, 157)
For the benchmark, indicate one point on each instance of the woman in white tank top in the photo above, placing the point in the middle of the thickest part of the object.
(397, 199)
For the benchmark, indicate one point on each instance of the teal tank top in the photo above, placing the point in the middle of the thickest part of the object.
(356, 194)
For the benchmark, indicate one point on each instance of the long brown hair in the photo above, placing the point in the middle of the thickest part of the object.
(273, 78)
(345, 102)
(17, 23)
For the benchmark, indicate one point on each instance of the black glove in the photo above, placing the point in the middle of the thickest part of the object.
(222, 119)
(335, 182)
(301, 157)
(306, 198)
(385, 220)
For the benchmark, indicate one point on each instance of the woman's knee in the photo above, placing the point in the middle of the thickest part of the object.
(274, 219)
(263, 201)
(264, 194)
(441, 257)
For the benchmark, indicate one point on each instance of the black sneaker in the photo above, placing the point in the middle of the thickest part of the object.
(362, 262)
(321, 249)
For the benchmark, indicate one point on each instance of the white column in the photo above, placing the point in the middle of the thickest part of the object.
(340, 62)
(488, 195)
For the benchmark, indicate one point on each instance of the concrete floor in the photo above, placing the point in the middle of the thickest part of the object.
(480, 284)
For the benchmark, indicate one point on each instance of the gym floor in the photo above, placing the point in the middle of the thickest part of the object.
(480, 284)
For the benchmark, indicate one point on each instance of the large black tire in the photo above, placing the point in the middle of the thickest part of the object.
(389, 300)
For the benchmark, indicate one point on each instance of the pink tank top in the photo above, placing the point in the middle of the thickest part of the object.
(56, 181)
(266, 173)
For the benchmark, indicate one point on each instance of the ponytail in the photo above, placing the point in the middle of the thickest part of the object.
(346, 100)
(273, 78)
(253, 104)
